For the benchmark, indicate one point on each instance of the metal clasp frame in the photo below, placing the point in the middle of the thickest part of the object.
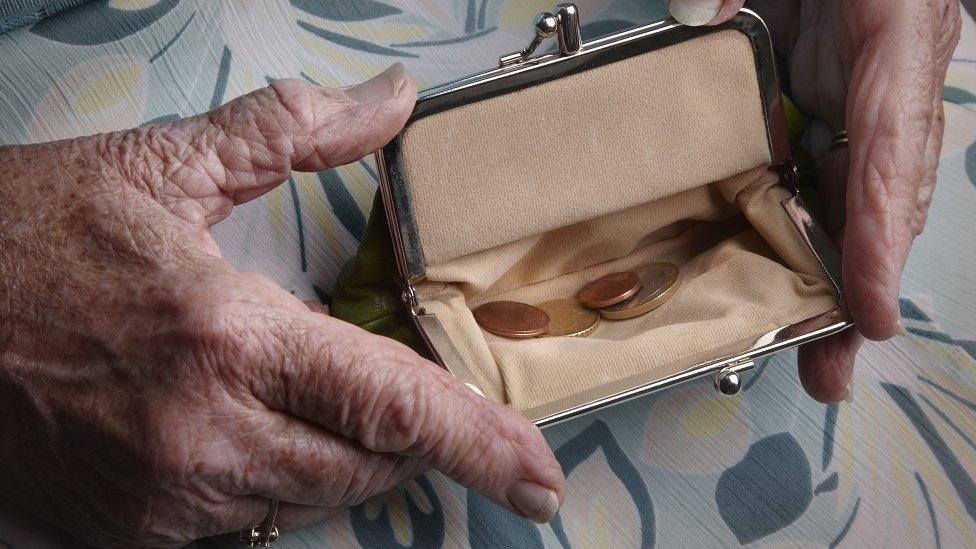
(564, 24)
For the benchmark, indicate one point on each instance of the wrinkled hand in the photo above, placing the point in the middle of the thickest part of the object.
(152, 394)
(876, 68)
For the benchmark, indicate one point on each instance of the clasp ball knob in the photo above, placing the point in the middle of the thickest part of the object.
(728, 383)
(546, 24)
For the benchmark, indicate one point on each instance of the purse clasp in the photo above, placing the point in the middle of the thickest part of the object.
(563, 24)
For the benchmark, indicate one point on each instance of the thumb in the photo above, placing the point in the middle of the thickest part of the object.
(200, 167)
(704, 12)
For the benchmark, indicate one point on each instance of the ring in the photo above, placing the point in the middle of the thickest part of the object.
(266, 533)
(838, 141)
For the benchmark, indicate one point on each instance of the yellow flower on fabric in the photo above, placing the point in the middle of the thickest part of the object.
(132, 5)
(108, 89)
(396, 502)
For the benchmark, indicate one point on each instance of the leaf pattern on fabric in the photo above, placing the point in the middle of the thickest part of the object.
(173, 40)
(343, 204)
(491, 527)
(445, 41)
(409, 515)
(767, 491)
(598, 29)
(971, 163)
(98, 22)
(607, 504)
(958, 96)
(351, 42)
(953, 468)
(692, 421)
(347, 10)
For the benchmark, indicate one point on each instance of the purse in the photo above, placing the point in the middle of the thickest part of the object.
(525, 182)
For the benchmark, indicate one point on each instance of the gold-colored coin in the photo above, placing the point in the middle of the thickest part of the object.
(568, 318)
(659, 281)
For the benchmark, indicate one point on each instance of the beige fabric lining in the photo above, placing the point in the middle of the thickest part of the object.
(643, 160)
(618, 136)
(728, 239)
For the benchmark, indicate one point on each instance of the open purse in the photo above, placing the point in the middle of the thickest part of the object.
(661, 143)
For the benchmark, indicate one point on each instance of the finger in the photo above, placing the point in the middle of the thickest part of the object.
(200, 167)
(317, 307)
(238, 513)
(297, 461)
(826, 365)
(293, 517)
(782, 17)
(244, 513)
(833, 189)
(933, 152)
(890, 121)
(704, 12)
(387, 398)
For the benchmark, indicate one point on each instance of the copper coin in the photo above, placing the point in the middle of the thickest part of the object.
(512, 319)
(567, 318)
(659, 282)
(609, 290)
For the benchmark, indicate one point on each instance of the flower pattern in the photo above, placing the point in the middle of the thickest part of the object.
(769, 468)
(410, 515)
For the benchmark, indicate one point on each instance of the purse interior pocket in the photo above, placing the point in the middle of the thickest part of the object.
(744, 271)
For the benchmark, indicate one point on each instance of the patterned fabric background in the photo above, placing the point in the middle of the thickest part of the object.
(686, 468)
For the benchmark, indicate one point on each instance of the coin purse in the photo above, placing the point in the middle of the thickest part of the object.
(661, 143)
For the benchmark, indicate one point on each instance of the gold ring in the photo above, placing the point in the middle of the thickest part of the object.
(266, 533)
(838, 141)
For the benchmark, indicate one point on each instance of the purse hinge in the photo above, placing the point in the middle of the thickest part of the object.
(790, 176)
(409, 297)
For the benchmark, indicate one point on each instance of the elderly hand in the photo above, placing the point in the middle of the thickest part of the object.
(153, 394)
(876, 68)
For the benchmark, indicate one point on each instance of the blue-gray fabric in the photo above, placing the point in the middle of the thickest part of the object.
(686, 468)
(19, 13)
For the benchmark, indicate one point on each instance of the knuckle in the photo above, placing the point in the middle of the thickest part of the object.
(166, 520)
(181, 481)
(161, 451)
(217, 331)
(402, 413)
(295, 96)
(396, 412)
(949, 20)
(157, 159)
(258, 125)
(300, 358)
(139, 522)
(951, 16)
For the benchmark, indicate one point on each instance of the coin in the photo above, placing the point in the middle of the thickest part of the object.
(609, 290)
(512, 319)
(567, 318)
(659, 282)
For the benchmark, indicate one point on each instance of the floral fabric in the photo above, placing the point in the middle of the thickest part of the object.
(684, 468)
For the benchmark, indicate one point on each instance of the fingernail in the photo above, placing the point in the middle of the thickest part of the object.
(849, 397)
(383, 86)
(533, 501)
(317, 307)
(900, 329)
(695, 12)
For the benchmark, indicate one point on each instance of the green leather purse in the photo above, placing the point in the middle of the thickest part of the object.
(366, 292)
